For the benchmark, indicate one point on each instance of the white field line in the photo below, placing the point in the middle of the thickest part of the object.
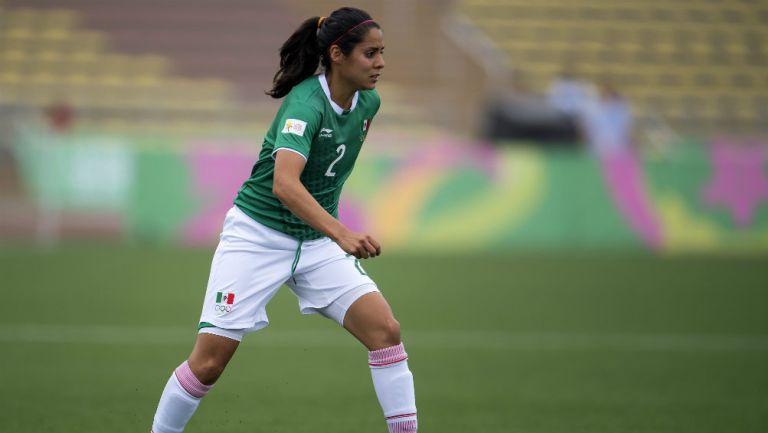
(488, 340)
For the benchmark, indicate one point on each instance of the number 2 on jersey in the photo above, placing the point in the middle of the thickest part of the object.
(340, 150)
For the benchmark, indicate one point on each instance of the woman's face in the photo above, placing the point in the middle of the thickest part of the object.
(364, 63)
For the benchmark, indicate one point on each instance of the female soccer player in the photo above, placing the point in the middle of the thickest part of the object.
(284, 229)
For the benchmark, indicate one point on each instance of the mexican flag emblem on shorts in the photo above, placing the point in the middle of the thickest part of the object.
(225, 298)
(224, 303)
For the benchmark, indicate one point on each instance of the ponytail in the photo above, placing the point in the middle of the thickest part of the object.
(299, 58)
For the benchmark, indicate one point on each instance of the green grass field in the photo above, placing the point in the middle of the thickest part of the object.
(498, 343)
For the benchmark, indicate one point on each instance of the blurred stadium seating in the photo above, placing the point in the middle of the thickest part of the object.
(51, 57)
(150, 66)
(701, 65)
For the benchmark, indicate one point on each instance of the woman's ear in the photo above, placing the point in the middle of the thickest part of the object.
(336, 55)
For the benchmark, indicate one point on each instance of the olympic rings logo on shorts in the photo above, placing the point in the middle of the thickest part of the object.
(222, 308)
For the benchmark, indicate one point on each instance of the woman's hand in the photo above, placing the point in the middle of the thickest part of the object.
(360, 245)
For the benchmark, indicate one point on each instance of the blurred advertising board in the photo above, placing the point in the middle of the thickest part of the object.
(698, 197)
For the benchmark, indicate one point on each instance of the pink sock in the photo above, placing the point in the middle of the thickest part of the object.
(190, 382)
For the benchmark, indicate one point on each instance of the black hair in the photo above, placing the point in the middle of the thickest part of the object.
(309, 46)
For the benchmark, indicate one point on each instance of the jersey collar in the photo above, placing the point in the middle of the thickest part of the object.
(335, 106)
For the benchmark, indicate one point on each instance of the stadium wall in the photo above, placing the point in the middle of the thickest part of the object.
(428, 195)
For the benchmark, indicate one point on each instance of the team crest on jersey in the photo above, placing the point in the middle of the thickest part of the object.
(224, 303)
(294, 126)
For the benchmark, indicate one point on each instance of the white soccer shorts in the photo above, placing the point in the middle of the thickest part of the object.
(253, 261)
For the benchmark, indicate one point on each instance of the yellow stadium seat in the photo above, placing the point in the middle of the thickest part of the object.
(62, 19)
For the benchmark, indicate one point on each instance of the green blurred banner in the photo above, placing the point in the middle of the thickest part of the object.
(441, 196)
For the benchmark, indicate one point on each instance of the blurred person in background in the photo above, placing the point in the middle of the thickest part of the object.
(606, 120)
(569, 95)
(607, 125)
(60, 116)
(284, 229)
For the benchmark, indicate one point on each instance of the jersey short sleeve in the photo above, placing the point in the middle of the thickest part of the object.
(297, 128)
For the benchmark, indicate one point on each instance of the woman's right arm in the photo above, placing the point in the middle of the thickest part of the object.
(287, 187)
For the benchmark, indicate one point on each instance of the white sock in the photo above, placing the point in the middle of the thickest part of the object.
(180, 398)
(393, 383)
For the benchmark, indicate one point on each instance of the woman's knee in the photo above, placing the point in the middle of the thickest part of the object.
(389, 332)
(208, 369)
(210, 356)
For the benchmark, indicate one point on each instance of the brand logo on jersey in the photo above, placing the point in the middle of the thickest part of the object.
(224, 303)
(294, 126)
(326, 133)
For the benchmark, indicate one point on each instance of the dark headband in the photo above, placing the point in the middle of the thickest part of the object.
(345, 33)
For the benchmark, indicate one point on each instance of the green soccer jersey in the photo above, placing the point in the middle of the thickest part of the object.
(329, 138)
